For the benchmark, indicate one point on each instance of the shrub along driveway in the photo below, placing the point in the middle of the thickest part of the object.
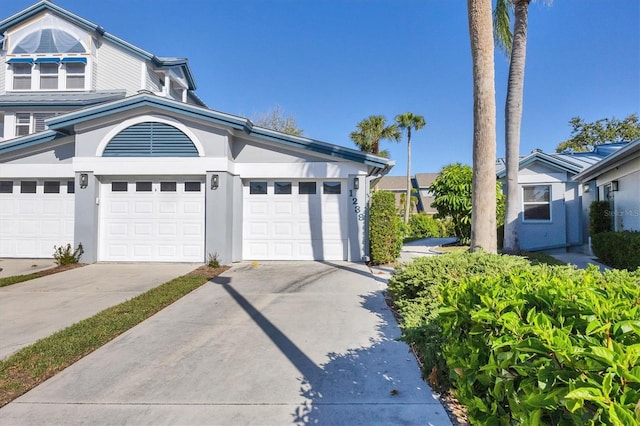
(279, 343)
(37, 308)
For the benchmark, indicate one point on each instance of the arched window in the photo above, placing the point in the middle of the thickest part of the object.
(49, 40)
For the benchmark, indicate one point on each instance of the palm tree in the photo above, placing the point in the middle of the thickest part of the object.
(483, 200)
(515, 45)
(409, 121)
(370, 131)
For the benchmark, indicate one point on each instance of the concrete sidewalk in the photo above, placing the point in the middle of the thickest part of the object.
(279, 343)
(579, 260)
(37, 308)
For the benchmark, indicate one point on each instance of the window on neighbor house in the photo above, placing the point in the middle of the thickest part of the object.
(49, 76)
(536, 203)
(27, 123)
(21, 76)
(75, 75)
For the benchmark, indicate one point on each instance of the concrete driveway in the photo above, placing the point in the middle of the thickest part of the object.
(37, 308)
(273, 344)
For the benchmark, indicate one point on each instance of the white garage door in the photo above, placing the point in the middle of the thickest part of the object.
(152, 220)
(294, 220)
(35, 215)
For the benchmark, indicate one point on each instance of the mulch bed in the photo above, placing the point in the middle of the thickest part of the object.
(60, 268)
(208, 272)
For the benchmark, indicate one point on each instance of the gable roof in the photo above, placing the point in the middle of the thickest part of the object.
(393, 183)
(622, 155)
(572, 163)
(64, 125)
(426, 179)
(46, 5)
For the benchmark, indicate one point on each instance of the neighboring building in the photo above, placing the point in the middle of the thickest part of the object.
(107, 145)
(616, 179)
(553, 209)
(420, 190)
(422, 182)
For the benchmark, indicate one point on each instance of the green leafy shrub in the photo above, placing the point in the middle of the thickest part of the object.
(599, 217)
(544, 345)
(415, 289)
(385, 228)
(66, 255)
(619, 250)
(424, 226)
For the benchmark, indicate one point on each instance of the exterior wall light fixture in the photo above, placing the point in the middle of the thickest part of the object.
(215, 181)
(614, 185)
(84, 180)
(356, 183)
(586, 187)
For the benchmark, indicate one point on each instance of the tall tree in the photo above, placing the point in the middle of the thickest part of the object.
(514, 44)
(585, 136)
(483, 226)
(370, 131)
(409, 121)
(277, 119)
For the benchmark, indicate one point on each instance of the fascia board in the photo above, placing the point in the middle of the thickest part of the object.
(65, 122)
(320, 147)
(28, 141)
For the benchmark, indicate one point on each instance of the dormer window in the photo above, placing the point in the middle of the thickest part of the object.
(49, 76)
(75, 74)
(21, 76)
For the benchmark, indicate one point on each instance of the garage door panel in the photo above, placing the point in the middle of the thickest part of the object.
(28, 207)
(294, 226)
(164, 226)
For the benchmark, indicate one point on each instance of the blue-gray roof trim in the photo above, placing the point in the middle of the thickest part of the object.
(29, 141)
(64, 123)
(44, 5)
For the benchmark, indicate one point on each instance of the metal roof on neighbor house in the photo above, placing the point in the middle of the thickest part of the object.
(53, 99)
(626, 153)
(571, 162)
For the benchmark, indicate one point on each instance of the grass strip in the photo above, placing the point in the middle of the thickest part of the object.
(15, 279)
(36, 363)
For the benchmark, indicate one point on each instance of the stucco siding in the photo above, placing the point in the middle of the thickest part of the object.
(244, 151)
(547, 234)
(573, 207)
(118, 69)
(626, 201)
(60, 154)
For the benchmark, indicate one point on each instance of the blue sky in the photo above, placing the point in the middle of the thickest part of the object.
(332, 63)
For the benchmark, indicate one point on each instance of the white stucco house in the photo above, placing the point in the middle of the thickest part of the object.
(105, 144)
(616, 179)
(555, 196)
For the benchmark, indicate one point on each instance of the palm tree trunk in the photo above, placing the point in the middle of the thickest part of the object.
(513, 121)
(407, 206)
(483, 201)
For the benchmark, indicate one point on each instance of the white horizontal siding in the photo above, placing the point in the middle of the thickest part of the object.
(117, 69)
(153, 83)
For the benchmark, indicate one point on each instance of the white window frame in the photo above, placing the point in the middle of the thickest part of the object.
(33, 120)
(49, 76)
(75, 75)
(537, 203)
(17, 76)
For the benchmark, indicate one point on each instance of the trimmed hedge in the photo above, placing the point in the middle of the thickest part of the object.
(524, 344)
(599, 217)
(425, 226)
(620, 250)
(385, 228)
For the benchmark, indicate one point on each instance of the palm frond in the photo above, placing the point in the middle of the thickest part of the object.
(502, 25)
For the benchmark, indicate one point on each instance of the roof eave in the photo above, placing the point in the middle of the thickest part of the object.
(28, 141)
(609, 162)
